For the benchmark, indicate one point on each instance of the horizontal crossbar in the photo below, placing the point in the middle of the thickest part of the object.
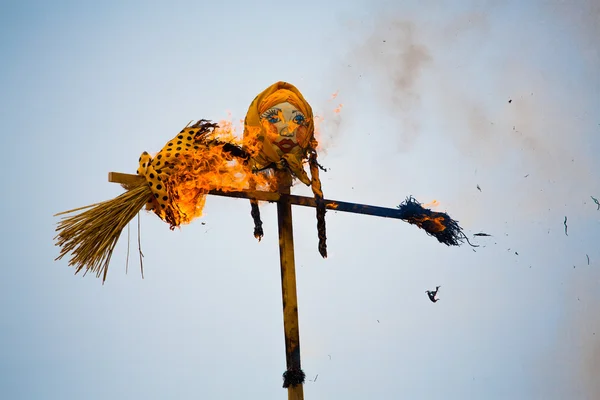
(304, 201)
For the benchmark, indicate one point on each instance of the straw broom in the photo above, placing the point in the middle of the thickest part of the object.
(91, 236)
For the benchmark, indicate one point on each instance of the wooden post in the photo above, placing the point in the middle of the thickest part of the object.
(288, 283)
(285, 200)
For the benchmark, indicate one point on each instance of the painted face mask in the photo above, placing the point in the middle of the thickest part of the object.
(284, 123)
(279, 133)
(279, 130)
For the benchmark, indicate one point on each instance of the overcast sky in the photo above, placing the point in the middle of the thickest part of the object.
(435, 100)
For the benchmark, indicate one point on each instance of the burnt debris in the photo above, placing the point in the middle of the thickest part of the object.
(436, 224)
(432, 294)
(596, 201)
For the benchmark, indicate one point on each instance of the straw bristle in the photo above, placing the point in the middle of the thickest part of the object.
(91, 235)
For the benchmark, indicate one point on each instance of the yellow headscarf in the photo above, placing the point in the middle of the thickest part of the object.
(263, 153)
(256, 141)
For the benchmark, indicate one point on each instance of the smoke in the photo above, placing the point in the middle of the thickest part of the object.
(508, 103)
(583, 18)
(576, 351)
(515, 91)
(390, 59)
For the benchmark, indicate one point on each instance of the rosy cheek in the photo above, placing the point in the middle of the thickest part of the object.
(272, 131)
(301, 134)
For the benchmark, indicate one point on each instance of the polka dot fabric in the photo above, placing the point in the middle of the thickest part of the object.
(157, 170)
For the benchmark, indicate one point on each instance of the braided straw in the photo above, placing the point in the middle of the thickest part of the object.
(318, 192)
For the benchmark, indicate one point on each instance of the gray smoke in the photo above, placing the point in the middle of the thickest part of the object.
(511, 104)
(465, 69)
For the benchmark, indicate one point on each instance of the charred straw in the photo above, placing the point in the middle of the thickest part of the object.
(320, 204)
(235, 151)
(255, 212)
(450, 233)
(207, 127)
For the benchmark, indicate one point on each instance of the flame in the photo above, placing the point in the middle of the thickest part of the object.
(433, 223)
(318, 120)
(433, 204)
(211, 167)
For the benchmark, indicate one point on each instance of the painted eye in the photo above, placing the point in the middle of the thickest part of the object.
(299, 119)
(272, 116)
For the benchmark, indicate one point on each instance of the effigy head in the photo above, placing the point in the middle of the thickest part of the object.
(279, 130)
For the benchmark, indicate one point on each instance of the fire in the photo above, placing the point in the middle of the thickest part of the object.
(437, 224)
(433, 204)
(213, 161)
(333, 96)
(338, 108)
(318, 120)
(433, 223)
(333, 205)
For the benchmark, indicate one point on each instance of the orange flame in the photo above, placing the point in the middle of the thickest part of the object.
(433, 204)
(432, 223)
(208, 167)
(338, 108)
(318, 120)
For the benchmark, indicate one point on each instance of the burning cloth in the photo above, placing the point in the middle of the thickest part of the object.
(200, 158)
(278, 134)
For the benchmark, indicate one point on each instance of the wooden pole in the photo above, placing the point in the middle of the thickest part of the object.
(285, 200)
(288, 283)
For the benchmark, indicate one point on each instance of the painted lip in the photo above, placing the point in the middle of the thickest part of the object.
(286, 145)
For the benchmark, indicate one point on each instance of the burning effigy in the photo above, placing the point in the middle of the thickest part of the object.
(278, 134)
(173, 184)
(206, 157)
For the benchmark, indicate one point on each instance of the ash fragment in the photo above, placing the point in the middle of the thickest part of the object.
(432, 294)
(481, 234)
(596, 201)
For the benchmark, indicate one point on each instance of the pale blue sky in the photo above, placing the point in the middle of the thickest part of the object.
(88, 86)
